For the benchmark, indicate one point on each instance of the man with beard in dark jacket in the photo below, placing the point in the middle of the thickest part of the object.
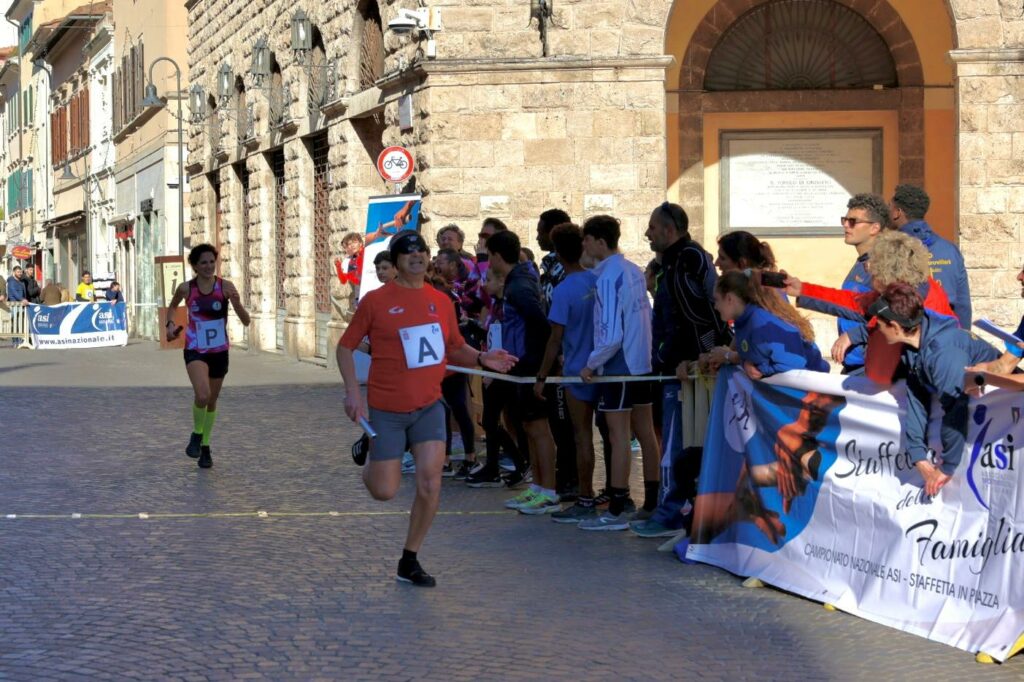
(33, 291)
(685, 325)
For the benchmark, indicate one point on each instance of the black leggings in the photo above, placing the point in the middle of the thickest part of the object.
(497, 396)
(455, 390)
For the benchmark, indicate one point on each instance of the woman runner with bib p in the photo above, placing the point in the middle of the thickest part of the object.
(414, 334)
(206, 298)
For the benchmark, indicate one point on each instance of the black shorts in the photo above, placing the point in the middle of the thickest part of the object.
(217, 362)
(624, 395)
(525, 407)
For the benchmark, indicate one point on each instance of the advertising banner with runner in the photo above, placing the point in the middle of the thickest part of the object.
(78, 325)
(805, 486)
(385, 216)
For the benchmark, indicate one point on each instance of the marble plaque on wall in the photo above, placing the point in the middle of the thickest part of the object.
(795, 182)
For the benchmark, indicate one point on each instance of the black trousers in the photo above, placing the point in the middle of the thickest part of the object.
(497, 396)
(455, 390)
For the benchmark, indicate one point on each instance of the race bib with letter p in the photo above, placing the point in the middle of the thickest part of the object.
(423, 345)
(211, 334)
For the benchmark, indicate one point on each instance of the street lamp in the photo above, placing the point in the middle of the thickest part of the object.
(225, 83)
(260, 61)
(302, 35)
(152, 100)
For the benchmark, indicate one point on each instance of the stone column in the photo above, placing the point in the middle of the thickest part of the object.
(991, 177)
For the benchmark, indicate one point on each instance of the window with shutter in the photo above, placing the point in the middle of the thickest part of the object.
(85, 118)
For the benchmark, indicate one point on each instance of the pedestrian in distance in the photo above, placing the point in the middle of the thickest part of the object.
(206, 299)
(414, 334)
(16, 286)
(32, 288)
(85, 292)
(114, 294)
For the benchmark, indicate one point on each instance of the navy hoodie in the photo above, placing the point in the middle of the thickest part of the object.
(947, 267)
(524, 326)
(936, 368)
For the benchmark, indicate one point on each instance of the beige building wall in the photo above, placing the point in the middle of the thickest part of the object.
(146, 152)
(593, 121)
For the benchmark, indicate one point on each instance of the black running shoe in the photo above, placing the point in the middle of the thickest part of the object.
(463, 471)
(448, 471)
(360, 449)
(484, 479)
(514, 478)
(205, 460)
(195, 441)
(414, 574)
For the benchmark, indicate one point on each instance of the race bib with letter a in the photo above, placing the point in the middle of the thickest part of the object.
(423, 345)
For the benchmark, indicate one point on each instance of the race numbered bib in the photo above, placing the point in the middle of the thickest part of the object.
(423, 345)
(211, 334)
(494, 336)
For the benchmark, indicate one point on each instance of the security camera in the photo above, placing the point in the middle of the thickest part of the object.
(408, 20)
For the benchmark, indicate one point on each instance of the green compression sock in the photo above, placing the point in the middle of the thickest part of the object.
(211, 416)
(198, 418)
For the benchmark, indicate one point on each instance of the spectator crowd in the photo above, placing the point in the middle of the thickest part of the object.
(588, 313)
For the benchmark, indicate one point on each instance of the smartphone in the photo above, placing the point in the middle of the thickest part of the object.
(775, 280)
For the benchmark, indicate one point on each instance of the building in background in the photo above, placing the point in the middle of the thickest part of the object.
(77, 236)
(10, 80)
(146, 216)
(599, 107)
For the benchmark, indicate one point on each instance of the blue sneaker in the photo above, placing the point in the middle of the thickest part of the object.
(606, 521)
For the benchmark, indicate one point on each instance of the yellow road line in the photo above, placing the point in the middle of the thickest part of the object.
(157, 516)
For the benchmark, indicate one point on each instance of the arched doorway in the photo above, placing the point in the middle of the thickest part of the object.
(865, 84)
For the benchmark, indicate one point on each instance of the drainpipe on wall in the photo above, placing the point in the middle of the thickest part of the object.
(21, 143)
(48, 153)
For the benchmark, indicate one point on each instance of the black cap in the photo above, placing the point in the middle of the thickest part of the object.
(880, 308)
(407, 241)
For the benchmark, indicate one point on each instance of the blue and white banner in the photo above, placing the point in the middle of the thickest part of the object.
(78, 325)
(805, 486)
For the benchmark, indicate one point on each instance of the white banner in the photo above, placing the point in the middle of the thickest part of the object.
(78, 325)
(806, 487)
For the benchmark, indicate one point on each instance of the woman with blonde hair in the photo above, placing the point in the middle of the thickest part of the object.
(894, 258)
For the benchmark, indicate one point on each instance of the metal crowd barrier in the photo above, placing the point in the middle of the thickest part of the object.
(14, 324)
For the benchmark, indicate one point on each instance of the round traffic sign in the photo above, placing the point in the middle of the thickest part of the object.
(395, 164)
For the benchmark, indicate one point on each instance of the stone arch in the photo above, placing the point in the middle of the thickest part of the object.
(879, 13)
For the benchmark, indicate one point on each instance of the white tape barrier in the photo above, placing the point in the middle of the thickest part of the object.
(559, 380)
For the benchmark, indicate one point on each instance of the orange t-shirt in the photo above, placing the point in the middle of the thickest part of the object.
(410, 332)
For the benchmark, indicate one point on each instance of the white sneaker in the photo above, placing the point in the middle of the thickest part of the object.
(408, 464)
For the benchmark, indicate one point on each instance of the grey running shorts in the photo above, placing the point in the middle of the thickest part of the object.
(399, 431)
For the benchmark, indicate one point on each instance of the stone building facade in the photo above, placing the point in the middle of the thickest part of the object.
(603, 106)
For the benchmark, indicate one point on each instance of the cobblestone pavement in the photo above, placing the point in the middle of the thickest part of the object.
(221, 592)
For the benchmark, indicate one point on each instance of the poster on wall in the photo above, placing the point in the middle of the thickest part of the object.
(805, 486)
(795, 182)
(385, 216)
(172, 274)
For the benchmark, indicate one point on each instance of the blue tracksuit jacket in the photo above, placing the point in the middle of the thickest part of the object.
(773, 345)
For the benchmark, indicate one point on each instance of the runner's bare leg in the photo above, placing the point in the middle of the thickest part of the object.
(429, 458)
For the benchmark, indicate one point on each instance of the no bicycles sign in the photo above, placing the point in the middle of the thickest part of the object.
(395, 164)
